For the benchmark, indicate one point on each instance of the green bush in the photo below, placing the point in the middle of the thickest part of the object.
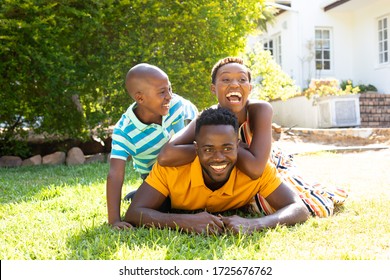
(270, 81)
(64, 62)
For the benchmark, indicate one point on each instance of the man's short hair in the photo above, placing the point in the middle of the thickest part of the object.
(224, 61)
(216, 116)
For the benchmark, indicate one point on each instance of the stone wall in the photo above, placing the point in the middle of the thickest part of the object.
(374, 110)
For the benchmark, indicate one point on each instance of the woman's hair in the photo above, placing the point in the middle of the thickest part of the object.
(216, 116)
(224, 61)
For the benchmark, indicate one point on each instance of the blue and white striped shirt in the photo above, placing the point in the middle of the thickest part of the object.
(143, 142)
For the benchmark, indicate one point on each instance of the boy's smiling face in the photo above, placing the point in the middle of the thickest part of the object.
(156, 95)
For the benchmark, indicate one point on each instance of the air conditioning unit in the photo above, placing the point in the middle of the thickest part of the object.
(338, 111)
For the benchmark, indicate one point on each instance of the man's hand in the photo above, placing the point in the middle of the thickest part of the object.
(121, 225)
(237, 224)
(205, 222)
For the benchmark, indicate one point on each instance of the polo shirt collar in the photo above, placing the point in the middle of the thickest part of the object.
(197, 178)
(138, 124)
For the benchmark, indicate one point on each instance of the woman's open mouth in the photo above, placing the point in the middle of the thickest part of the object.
(234, 97)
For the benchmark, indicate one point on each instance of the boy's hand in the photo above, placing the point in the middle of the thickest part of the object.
(121, 225)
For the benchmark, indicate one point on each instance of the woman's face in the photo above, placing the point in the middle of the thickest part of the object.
(232, 87)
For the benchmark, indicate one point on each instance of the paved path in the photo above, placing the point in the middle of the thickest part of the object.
(305, 147)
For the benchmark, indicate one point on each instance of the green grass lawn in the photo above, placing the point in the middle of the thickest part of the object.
(59, 213)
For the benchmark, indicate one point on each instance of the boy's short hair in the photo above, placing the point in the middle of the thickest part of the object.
(224, 61)
(216, 116)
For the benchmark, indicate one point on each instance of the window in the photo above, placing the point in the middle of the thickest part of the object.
(274, 46)
(323, 49)
(383, 39)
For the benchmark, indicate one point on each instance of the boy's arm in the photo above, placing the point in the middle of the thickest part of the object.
(180, 149)
(290, 210)
(114, 192)
(143, 212)
(252, 160)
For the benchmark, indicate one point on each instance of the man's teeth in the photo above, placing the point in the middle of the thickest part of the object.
(218, 167)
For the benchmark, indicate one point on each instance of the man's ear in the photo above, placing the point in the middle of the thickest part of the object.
(196, 145)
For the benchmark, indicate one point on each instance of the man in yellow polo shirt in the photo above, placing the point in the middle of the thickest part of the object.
(213, 183)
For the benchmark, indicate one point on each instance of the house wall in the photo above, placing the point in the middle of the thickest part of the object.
(354, 37)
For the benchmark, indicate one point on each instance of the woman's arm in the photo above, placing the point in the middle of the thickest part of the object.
(180, 148)
(252, 160)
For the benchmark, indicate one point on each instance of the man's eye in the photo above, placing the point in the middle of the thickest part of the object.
(227, 149)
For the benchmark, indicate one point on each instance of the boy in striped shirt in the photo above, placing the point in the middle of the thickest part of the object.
(143, 129)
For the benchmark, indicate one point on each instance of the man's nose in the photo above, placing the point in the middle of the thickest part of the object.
(218, 155)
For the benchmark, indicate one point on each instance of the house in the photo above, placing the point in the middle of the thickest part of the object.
(344, 39)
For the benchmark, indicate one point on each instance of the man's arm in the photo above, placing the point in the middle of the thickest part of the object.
(114, 191)
(143, 211)
(289, 208)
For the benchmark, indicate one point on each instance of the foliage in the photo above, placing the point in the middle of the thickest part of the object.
(270, 82)
(362, 87)
(329, 87)
(64, 62)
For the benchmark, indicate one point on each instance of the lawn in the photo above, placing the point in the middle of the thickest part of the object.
(59, 213)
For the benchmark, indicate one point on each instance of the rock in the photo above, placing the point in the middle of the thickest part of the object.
(96, 158)
(75, 156)
(10, 161)
(54, 158)
(35, 160)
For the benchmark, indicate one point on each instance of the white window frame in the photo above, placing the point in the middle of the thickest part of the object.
(383, 40)
(323, 50)
(274, 46)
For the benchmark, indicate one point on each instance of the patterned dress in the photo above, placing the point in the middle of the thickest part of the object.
(319, 200)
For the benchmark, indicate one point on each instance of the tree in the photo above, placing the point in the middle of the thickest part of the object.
(64, 62)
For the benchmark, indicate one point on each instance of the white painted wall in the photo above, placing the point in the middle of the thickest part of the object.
(355, 41)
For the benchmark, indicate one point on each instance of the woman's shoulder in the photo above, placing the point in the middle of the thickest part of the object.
(255, 105)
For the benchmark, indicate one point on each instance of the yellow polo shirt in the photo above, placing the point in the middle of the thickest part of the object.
(187, 190)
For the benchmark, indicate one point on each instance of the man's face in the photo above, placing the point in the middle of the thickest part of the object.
(217, 151)
(232, 86)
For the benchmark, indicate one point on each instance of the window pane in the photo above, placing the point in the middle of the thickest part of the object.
(326, 34)
(379, 25)
(318, 65)
(326, 45)
(318, 34)
(318, 54)
(326, 65)
(385, 47)
(326, 54)
(380, 36)
(386, 57)
(384, 23)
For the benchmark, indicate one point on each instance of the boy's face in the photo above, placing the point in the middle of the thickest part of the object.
(156, 94)
(232, 86)
(216, 147)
